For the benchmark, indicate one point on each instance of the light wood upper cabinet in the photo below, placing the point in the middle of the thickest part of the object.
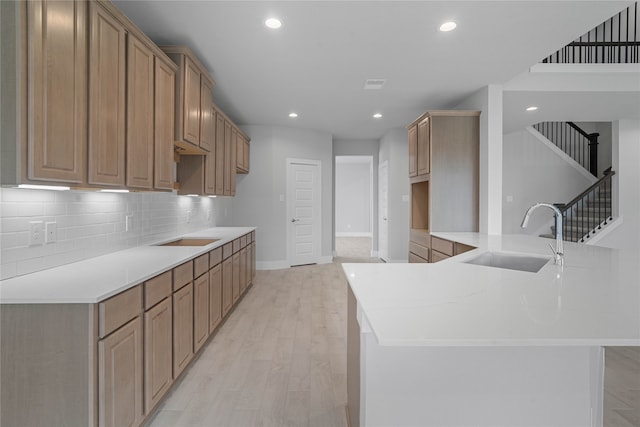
(120, 377)
(194, 127)
(107, 99)
(220, 154)
(242, 150)
(207, 119)
(140, 110)
(413, 150)
(424, 147)
(234, 162)
(228, 171)
(57, 96)
(165, 83)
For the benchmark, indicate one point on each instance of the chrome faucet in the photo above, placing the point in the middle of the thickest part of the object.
(558, 252)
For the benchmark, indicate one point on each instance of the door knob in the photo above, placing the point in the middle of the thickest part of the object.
(384, 218)
(295, 220)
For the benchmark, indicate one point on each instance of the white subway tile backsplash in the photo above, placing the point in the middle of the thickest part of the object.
(90, 224)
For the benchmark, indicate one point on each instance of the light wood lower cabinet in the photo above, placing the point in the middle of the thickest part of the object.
(200, 311)
(236, 277)
(120, 377)
(182, 328)
(243, 270)
(227, 285)
(158, 348)
(215, 297)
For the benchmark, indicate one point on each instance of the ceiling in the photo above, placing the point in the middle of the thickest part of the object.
(316, 64)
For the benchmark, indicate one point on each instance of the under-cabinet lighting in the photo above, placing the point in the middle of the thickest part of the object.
(213, 197)
(44, 187)
(377, 116)
(273, 23)
(448, 26)
(532, 108)
(192, 195)
(293, 115)
(114, 190)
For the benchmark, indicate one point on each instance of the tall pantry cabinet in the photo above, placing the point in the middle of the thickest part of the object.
(444, 174)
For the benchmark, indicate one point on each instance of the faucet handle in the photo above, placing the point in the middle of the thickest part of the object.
(557, 256)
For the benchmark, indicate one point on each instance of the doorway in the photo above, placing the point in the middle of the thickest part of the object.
(303, 211)
(383, 211)
(354, 207)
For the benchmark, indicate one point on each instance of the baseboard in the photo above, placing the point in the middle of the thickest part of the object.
(397, 261)
(613, 224)
(325, 260)
(353, 234)
(374, 254)
(279, 265)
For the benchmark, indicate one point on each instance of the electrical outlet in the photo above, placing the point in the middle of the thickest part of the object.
(36, 234)
(51, 232)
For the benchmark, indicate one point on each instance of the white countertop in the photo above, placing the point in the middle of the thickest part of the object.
(98, 278)
(593, 300)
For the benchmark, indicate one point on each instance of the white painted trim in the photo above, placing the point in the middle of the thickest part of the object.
(289, 190)
(354, 234)
(553, 147)
(271, 265)
(613, 224)
(585, 68)
(374, 254)
(325, 260)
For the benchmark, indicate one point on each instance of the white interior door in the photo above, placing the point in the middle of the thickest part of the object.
(303, 211)
(383, 222)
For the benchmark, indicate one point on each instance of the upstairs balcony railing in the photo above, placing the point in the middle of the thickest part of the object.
(616, 41)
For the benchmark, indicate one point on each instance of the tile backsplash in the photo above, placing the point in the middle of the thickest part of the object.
(91, 223)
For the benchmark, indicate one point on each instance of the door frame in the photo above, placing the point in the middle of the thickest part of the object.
(317, 234)
(380, 217)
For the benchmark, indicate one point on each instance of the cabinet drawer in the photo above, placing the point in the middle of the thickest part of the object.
(460, 248)
(118, 310)
(442, 245)
(419, 250)
(420, 237)
(236, 245)
(157, 289)
(415, 259)
(215, 257)
(227, 250)
(243, 241)
(182, 275)
(200, 265)
(438, 256)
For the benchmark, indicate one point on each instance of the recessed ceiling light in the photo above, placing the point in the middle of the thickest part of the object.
(273, 23)
(532, 108)
(448, 26)
(293, 115)
(377, 116)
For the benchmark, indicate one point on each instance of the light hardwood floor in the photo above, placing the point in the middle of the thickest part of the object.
(353, 247)
(280, 360)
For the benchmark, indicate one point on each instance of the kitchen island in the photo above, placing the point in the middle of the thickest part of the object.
(458, 344)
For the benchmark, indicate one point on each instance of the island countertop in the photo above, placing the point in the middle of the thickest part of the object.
(593, 300)
(96, 279)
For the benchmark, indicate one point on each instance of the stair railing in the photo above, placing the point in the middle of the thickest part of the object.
(590, 210)
(615, 41)
(575, 142)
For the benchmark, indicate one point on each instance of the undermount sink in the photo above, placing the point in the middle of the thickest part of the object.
(189, 242)
(509, 261)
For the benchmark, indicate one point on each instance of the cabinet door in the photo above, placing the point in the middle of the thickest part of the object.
(191, 102)
(220, 159)
(182, 329)
(158, 360)
(227, 285)
(207, 131)
(252, 262)
(210, 160)
(57, 96)
(107, 99)
(120, 377)
(234, 154)
(215, 297)
(200, 311)
(236, 277)
(227, 159)
(239, 153)
(413, 151)
(243, 270)
(424, 149)
(246, 152)
(165, 83)
(140, 109)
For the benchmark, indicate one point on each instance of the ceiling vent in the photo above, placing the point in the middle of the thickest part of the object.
(374, 84)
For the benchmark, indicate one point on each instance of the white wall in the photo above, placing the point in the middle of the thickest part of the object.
(395, 149)
(366, 147)
(91, 223)
(489, 101)
(626, 187)
(353, 197)
(257, 201)
(534, 172)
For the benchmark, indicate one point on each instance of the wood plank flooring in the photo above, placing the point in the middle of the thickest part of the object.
(280, 360)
